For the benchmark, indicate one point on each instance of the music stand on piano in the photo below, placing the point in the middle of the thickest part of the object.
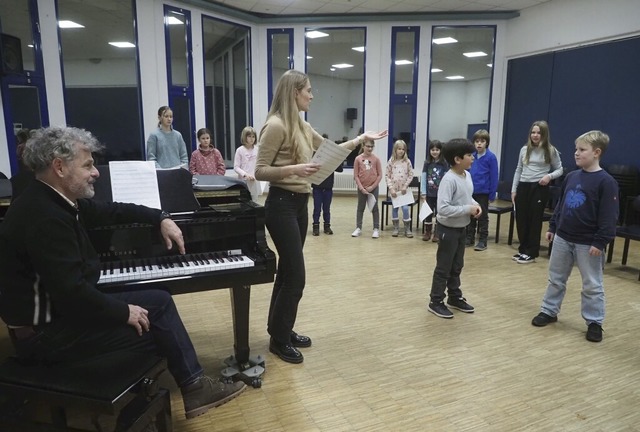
(238, 236)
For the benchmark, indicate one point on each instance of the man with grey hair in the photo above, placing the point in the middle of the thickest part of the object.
(50, 270)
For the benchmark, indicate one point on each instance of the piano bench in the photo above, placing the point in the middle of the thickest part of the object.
(122, 383)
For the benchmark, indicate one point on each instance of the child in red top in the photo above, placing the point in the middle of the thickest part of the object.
(207, 159)
(367, 171)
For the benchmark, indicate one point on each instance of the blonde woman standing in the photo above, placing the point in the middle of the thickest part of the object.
(287, 143)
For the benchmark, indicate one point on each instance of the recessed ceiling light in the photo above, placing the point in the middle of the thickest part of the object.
(309, 57)
(332, 69)
(30, 46)
(174, 21)
(359, 49)
(342, 65)
(403, 62)
(436, 70)
(69, 24)
(122, 44)
(444, 40)
(490, 65)
(475, 54)
(455, 77)
(315, 34)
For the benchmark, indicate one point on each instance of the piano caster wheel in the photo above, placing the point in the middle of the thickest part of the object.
(256, 383)
(226, 380)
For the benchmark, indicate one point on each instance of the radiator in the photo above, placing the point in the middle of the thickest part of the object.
(344, 182)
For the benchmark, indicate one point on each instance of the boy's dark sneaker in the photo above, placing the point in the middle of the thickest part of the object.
(594, 332)
(327, 229)
(516, 257)
(542, 319)
(316, 229)
(460, 304)
(439, 309)
(525, 259)
(482, 245)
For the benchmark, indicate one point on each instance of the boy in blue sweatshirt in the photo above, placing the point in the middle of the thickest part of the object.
(484, 173)
(583, 223)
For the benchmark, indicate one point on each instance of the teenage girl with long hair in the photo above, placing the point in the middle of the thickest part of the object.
(538, 164)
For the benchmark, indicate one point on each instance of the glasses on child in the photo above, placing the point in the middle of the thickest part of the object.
(369, 146)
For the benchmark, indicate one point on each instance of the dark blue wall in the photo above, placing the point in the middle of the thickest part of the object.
(577, 90)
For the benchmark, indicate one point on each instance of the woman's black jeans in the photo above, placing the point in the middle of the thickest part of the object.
(287, 220)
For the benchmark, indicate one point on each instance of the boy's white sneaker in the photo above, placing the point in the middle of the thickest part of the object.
(376, 233)
(356, 232)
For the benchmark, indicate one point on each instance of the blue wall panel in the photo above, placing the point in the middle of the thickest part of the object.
(527, 100)
(577, 90)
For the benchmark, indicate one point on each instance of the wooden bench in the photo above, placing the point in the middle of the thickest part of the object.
(119, 383)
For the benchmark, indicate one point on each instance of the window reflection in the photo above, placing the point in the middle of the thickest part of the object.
(16, 22)
(460, 84)
(178, 47)
(280, 60)
(227, 76)
(101, 79)
(335, 65)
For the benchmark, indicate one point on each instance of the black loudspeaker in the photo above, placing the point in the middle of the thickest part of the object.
(352, 113)
(10, 54)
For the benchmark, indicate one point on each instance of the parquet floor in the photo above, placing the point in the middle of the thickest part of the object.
(381, 362)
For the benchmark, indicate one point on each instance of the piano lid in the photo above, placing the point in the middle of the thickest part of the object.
(217, 182)
(176, 193)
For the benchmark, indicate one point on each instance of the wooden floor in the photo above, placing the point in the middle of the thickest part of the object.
(381, 362)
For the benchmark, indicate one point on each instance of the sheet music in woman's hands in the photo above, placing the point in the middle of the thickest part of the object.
(135, 182)
(329, 156)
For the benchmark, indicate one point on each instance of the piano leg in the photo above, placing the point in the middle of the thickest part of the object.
(242, 366)
(240, 299)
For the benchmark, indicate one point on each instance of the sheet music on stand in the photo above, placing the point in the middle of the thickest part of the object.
(135, 182)
(329, 155)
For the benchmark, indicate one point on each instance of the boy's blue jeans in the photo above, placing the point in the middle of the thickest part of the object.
(563, 256)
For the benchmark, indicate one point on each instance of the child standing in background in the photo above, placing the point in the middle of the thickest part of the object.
(538, 164)
(455, 204)
(399, 175)
(583, 223)
(484, 173)
(433, 170)
(367, 171)
(244, 162)
(322, 197)
(165, 145)
(207, 160)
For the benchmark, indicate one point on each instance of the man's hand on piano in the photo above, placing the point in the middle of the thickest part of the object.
(172, 234)
(139, 318)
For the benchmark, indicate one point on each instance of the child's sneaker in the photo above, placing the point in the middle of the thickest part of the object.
(356, 233)
(525, 259)
(482, 245)
(439, 309)
(376, 233)
(516, 257)
(594, 332)
(460, 304)
(542, 319)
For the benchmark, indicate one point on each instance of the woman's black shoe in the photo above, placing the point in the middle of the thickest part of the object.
(286, 352)
(300, 341)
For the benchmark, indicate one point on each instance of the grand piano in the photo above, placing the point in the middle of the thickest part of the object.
(225, 246)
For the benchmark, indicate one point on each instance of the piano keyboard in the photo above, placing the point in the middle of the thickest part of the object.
(171, 266)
